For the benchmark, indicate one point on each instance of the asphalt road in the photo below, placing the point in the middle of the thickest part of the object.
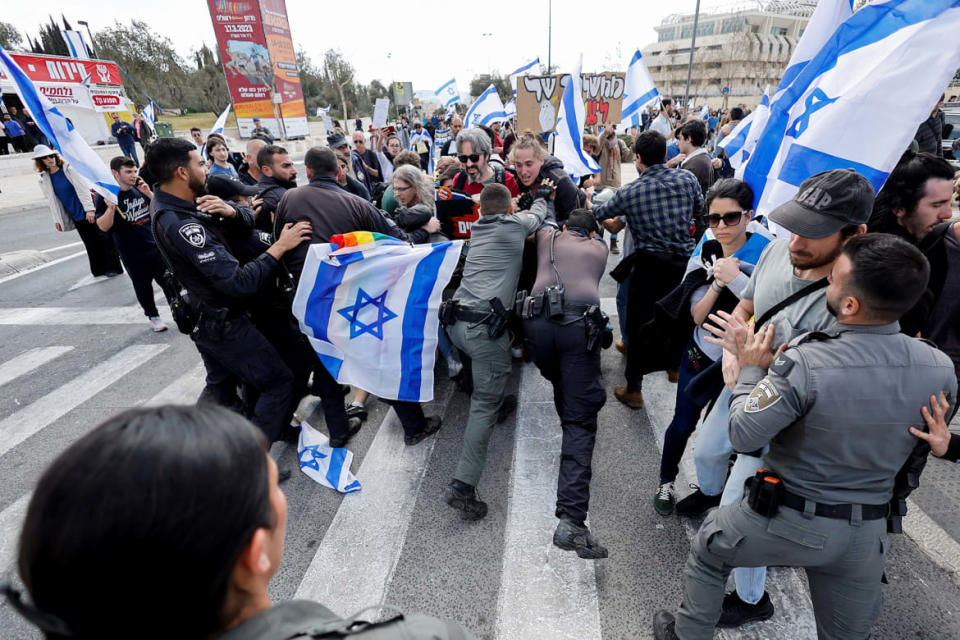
(70, 357)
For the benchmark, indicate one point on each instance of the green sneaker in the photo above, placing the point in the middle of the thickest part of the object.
(664, 501)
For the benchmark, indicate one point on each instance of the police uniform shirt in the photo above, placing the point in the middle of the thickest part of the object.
(836, 409)
(131, 227)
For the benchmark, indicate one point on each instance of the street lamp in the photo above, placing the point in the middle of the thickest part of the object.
(89, 35)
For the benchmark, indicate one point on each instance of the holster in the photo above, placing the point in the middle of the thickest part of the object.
(498, 319)
(764, 493)
(598, 328)
(448, 313)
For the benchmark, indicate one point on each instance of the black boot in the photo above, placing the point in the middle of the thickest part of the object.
(432, 425)
(353, 427)
(572, 535)
(462, 496)
(663, 626)
(696, 504)
(737, 612)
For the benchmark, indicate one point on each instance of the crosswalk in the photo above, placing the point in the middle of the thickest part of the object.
(394, 542)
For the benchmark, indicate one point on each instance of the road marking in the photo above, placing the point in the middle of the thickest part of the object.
(14, 276)
(23, 424)
(51, 316)
(86, 281)
(28, 361)
(932, 539)
(544, 592)
(184, 390)
(61, 247)
(360, 550)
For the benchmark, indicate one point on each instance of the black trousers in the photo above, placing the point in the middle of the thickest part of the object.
(143, 273)
(238, 354)
(101, 253)
(560, 353)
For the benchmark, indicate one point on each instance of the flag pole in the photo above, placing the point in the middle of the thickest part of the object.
(693, 43)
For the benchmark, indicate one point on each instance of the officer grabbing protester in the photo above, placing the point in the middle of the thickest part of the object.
(191, 230)
(476, 321)
(835, 408)
(565, 330)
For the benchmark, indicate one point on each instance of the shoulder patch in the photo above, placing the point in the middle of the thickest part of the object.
(782, 365)
(194, 233)
(763, 396)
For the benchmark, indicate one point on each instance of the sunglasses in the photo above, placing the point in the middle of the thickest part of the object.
(473, 157)
(731, 218)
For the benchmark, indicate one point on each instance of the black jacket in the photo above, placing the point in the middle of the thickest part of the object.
(568, 195)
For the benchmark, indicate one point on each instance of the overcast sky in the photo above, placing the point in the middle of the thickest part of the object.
(428, 41)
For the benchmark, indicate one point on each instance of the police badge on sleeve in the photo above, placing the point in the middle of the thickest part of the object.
(763, 396)
(194, 233)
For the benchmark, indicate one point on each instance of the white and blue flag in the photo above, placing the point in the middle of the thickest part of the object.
(61, 133)
(523, 70)
(370, 311)
(424, 137)
(221, 121)
(571, 117)
(639, 92)
(739, 143)
(149, 114)
(856, 103)
(76, 44)
(448, 94)
(511, 108)
(705, 112)
(487, 109)
(324, 464)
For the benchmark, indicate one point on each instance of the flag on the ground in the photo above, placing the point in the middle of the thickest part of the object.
(571, 117)
(487, 109)
(847, 107)
(448, 94)
(61, 133)
(523, 70)
(324, 464)
(639, 92)
(369, 305)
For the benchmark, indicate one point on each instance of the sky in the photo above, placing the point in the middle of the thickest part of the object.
(425, 42)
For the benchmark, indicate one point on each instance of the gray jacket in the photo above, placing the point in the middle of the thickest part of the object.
(835, 409)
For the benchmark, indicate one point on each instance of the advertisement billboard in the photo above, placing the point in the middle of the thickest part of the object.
(258, 60)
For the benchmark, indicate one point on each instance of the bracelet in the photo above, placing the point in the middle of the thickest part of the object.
(716, 287)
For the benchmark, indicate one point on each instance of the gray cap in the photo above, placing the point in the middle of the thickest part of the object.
(826, 203)
(336, 140)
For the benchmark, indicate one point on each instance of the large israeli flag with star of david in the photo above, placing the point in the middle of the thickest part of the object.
(371, 310)
(857, 103)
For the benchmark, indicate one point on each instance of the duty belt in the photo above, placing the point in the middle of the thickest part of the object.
(533, 306)
(465, 314)
(837, 511)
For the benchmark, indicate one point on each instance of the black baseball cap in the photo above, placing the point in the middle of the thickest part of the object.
(226, 188)
(336, 141)
(826, 203)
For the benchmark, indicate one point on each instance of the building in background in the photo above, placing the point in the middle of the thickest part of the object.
(743, 49)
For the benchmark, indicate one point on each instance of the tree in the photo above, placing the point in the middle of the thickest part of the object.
(480, 83)
(209, 80)
(339, 73)
(51, 40)
(10, 38)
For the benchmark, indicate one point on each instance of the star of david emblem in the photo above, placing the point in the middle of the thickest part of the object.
(814, 102)
(310, 458)
(357, 326)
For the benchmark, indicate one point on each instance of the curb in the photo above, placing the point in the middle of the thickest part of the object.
(18, 261)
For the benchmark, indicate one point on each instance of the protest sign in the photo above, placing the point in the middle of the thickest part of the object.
(380, 112)
(538, 99)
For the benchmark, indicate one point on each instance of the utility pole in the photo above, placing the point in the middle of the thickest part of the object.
(550, 34)
(693, 44)
(93, 51)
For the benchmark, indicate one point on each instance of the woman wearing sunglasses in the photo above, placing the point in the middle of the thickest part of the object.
(716, 274)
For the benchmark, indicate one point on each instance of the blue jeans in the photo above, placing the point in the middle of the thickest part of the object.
(686, 414)
(130, 150)
(444, 344)
(712, 457)
(623, 288)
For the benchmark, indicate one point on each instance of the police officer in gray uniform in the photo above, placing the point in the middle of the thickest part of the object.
(835, 408)
(476, 319)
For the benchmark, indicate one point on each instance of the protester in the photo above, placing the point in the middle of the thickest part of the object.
(31, 132)
(125, 135)
(534, 165)
(405, 158)
(129, 222)
(364, 161)
(277, 175)
(389, 148)
(473, 153)
(348, 182)
(99, 562)
(143, 132)
(450, 146)
(696, 160)
(219, 153)
(930, 133)
(15, 132)
(422, 142)
(250, 174)
(72, 208)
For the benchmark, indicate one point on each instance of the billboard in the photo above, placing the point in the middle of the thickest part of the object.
(242, 28)
(538, 99)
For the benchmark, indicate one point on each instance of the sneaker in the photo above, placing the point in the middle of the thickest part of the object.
(353, 427)
(462, 496)
(664, 501)
(157, 325)
(633, 399)
(454, 367)
(736, 612)
(575, 536)
(663, 626)
(508, 406)
(613, 245)
(357, 410)
(431, 427)
(697, 503)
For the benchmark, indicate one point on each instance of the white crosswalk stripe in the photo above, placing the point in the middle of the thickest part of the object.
(84, 316)
(28, 361)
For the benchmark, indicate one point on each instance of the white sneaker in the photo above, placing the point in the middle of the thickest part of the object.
(157, 325)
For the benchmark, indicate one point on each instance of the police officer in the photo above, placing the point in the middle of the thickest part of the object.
(563, 326)
(476, 319)
(835, 408)
(190, 229)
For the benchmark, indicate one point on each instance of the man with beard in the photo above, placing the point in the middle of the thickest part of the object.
(190, 228)
(277, 174)
(834, 411)
(787, 293)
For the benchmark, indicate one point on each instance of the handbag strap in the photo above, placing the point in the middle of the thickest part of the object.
(793, 297)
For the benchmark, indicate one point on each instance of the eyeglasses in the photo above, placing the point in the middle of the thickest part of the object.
(397, 189)
(473, 157)
(730, 218)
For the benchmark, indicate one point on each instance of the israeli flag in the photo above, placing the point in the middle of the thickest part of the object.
(221, 121)
(739, 144)
(424, 137)
(323, 463)
(523, 70)
(511, 108)
(61, 133)
(448, 94)
(847, 107)
(639, 92)
(149, 115)
(370, 311)
(487, 109)
(571, 117)
(76, 45)
(705, 112)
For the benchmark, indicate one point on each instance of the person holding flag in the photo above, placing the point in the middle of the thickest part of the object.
(422, 143)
